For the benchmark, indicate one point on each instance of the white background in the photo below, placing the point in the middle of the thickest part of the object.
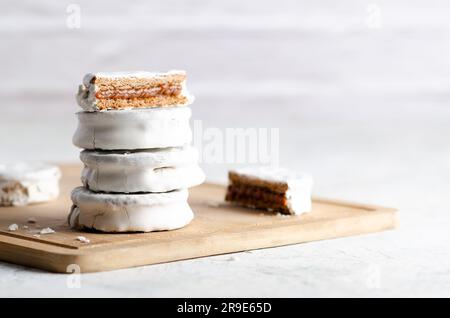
(359, 90)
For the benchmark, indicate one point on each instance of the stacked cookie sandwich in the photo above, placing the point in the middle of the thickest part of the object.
(138, 161)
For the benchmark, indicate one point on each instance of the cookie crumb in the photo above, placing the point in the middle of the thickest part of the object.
(83, 239)
(13, 227)
(36, 235)
(46, 230)
(25, 227)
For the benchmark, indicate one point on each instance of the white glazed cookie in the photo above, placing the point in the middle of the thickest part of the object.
(151, 170)
(133, 129)
(24, 183)
(129, 212)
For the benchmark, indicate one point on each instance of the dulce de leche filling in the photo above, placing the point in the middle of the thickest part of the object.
(163, 89)
(257, 197)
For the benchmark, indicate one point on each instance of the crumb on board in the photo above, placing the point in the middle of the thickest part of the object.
(46, 230)
(13, 227)
(83, 239)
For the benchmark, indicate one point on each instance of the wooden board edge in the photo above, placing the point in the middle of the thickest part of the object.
(12, 250)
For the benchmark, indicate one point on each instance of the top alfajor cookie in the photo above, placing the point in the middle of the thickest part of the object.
(128, 90)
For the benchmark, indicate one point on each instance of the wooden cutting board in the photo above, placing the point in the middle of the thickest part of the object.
(217, 229)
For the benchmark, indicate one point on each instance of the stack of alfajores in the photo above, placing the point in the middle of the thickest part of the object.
(138, 161)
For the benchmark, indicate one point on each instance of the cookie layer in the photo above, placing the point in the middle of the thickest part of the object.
(123, 90)
(153, 170)
(129, 212)
(25, 183)
(133, 129)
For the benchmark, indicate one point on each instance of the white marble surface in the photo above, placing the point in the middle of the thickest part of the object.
(365, 111)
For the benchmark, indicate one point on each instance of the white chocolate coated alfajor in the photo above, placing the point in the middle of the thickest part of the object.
(152, 170)
(24, 183)
(133, 129)
(129, 212)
